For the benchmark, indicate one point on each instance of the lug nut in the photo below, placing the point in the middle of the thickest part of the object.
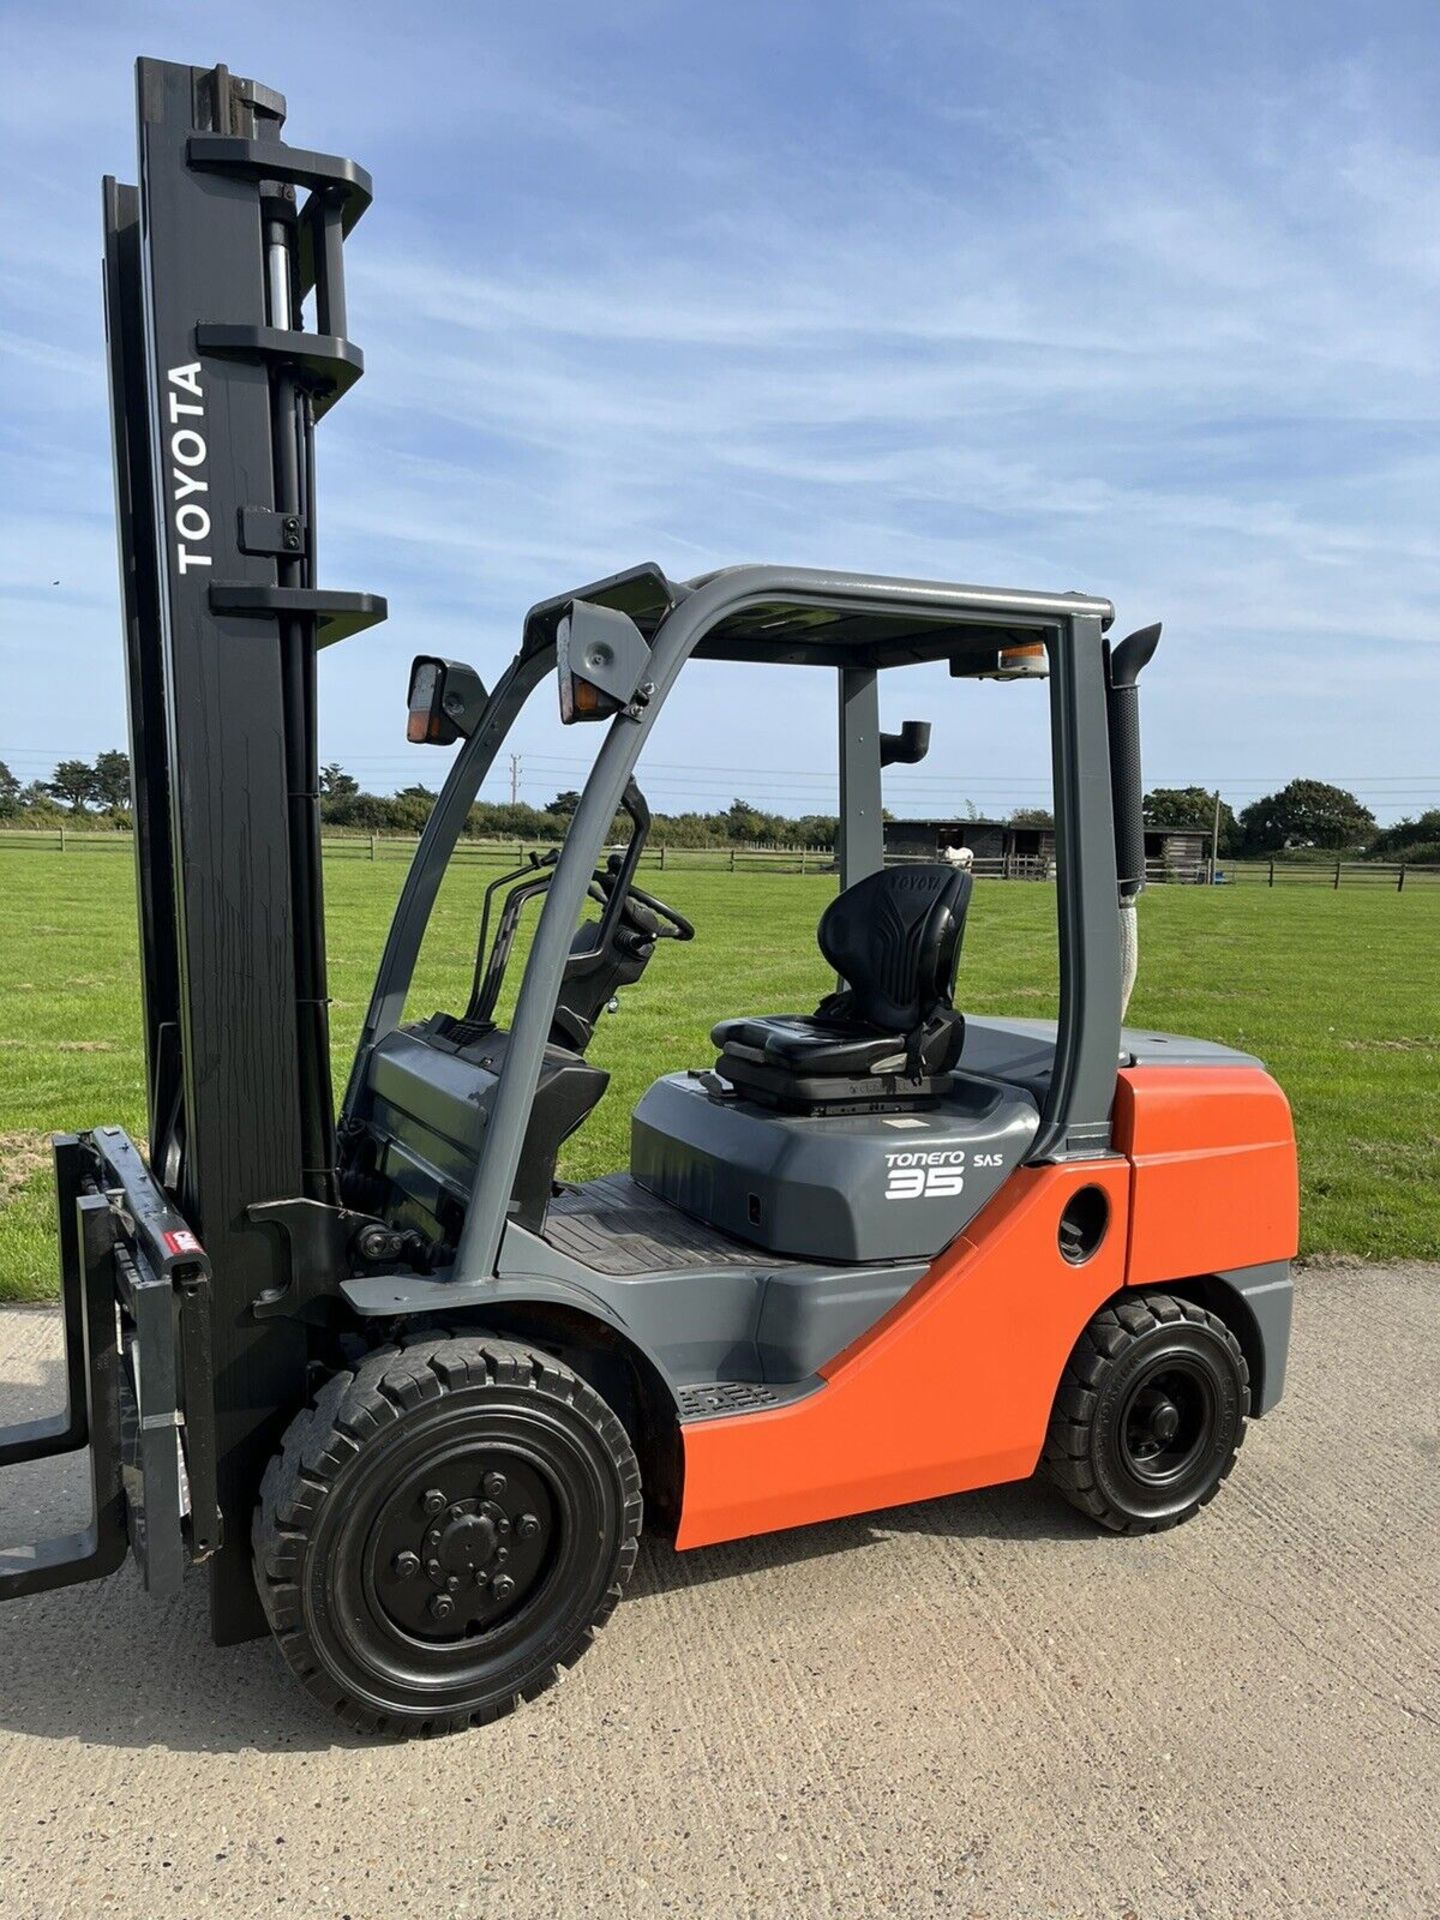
(452, 1585)
(434, 1569)
(494, 1485)
(456, 1512)
(407, 1565)
(502, 1526)
(434, 1500)
(527, 1526)
(502, 1586)
(441, 1607)
(502, 1554)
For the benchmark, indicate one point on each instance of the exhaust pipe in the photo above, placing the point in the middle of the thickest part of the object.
(1124, 665)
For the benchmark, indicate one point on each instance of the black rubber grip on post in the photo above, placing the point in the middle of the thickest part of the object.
(1122, 712)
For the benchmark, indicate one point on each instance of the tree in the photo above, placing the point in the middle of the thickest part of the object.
(9, 793)
(365, 812)
(1032, 817)
(1306, 813)
(1417, 840)
(73, 781)
(339, 798)
(336, 783)
(564, 804)
(741, 821)
(409, 810)
(1191, 807)
(813, 830)
(112, 781)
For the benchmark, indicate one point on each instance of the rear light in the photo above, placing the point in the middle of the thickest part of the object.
(446, 700)
(1019, 660)
(1028, 662)
(581, 700)
(428, 724)
(600, 658)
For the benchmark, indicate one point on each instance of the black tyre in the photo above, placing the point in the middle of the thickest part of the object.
(1150, 1414)
(443, 1531)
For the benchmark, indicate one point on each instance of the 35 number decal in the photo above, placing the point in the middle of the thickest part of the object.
(925, 1175)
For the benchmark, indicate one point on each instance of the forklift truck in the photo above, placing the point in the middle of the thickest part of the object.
(398, 1389)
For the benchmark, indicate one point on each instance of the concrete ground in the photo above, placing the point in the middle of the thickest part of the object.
(977, 1707)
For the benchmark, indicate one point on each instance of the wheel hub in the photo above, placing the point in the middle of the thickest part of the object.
(1156, 1420)
(455, 1551)
(467, 1545)
(1165, 1423)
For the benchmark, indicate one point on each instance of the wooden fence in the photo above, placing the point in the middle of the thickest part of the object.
(1387, 875)
(1390, 876)
(499, 853)
(382, 846)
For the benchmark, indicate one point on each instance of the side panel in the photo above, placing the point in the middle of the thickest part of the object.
(951, 1389)
(847, 1187)
(1266, 1295)
(1215, 1179)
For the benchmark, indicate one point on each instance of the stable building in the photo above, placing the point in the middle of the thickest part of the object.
(1020, 850)
(1004, 847)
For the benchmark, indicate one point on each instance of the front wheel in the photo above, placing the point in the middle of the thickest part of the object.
(443, 1531)
(1150, 1414)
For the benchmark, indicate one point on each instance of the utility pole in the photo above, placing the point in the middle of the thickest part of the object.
(514, 779)
(1215, 838)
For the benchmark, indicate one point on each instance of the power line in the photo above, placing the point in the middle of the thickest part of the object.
(752, 772)
(815, 790)
(1372, 782)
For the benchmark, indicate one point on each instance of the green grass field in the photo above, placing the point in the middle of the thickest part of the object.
(1336, 991)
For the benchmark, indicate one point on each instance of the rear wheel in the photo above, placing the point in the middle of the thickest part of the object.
(443, 1531)
(1150, 1414)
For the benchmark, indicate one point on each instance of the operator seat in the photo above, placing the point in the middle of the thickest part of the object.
(891, 1034)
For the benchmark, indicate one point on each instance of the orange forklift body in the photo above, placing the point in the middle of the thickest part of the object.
(954, 1387)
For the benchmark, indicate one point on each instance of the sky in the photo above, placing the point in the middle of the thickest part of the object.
(1131, 298)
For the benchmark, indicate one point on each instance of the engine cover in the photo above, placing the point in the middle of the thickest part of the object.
(858, 1187)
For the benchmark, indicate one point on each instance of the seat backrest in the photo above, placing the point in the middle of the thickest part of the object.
(894, 938)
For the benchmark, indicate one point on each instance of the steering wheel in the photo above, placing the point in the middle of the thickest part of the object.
(653, 918)
(641, 911)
